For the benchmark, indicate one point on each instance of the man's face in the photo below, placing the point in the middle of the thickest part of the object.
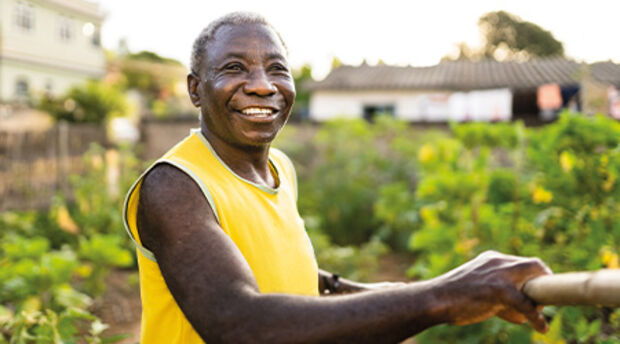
(247, 90)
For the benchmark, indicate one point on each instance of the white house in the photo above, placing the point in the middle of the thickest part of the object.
(48, 46)
(485, 90)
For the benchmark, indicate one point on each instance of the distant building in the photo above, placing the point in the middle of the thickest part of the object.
(48, 46)
(459, 90)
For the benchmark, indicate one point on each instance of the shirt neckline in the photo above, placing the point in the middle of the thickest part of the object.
(264, 188)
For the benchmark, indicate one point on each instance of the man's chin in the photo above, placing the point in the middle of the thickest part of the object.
(257, 141)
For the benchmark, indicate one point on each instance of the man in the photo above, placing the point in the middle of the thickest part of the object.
(223, 254)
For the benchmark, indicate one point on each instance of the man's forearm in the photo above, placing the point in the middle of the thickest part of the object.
(380, 316)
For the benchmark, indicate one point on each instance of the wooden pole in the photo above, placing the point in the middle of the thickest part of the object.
(596, 288)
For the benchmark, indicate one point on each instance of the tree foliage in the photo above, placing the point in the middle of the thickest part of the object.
(160, 81)
(506, 36)
(503, 30)
(146, 55)
(301, 76)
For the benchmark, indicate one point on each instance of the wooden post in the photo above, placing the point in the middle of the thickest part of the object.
(595, 288)
(63, 156)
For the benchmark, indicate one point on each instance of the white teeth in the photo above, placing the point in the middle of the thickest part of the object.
(259, 112)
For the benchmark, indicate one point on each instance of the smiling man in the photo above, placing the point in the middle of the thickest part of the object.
(222, 250)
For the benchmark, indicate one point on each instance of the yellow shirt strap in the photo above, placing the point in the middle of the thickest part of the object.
(290, 167)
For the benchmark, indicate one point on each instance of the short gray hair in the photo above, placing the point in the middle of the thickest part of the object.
(199, 48)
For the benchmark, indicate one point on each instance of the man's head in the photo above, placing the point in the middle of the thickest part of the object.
(201, 42)
(241, 81)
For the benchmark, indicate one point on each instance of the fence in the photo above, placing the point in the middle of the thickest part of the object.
(34, 165)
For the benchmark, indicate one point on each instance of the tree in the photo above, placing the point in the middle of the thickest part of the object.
(301, 76)
(159, 80)
(146, 55)
(504, 30)
(506, 36)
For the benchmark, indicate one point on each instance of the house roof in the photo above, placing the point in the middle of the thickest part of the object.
(467, 75)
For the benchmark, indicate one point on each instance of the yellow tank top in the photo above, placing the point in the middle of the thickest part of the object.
(271, 236)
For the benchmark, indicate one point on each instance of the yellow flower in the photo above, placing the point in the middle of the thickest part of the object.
(427, 153)
(465, 247)
(84, 270)
(541, 195)
(609, 183)
(566, 161)
(604, 160)
(429, 216)
(65, 222)
(610, 259)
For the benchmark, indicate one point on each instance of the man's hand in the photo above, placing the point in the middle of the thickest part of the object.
(491, 285)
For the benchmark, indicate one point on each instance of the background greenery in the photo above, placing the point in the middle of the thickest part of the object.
(446, 196)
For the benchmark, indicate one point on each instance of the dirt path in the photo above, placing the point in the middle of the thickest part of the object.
(120, 306)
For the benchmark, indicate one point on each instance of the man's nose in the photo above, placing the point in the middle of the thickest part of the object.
(259, 83)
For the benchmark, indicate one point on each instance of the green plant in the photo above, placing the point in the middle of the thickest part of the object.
(53, 262)
(354, 262)
(37, 302)
(557, 199)
(102, 252)
(354, 158)
(91, 103)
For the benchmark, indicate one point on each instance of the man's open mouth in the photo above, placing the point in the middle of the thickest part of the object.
(258, 111)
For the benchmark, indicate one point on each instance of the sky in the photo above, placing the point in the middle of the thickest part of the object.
(417, 33)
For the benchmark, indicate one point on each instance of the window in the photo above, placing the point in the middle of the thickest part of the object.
(66, 28)
(370, 111)
(49, 88)
(92, 31)
(24, 16)
(96, 40)
(21, 90)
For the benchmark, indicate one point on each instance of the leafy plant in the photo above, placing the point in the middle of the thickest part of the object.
(91, 103)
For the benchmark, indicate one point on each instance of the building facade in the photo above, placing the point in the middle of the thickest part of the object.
(48, 46)
(461, 91)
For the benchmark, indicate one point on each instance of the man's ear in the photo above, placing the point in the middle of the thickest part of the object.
(192, 89)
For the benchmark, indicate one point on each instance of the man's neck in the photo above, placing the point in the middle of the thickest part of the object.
(250, 163)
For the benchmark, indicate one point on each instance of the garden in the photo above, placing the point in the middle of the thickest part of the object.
(437, 197)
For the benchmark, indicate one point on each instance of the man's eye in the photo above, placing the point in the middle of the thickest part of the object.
(279, 68)
(234, 67)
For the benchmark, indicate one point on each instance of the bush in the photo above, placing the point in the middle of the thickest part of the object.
(555, 198)
(551, 192)
(94, 102)
(52, 263)
(354, 158)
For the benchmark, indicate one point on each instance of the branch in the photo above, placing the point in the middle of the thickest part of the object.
(600, 288)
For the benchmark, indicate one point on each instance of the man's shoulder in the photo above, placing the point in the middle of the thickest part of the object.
(163, 180)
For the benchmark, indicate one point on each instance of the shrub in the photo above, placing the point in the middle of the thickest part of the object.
(91, 103)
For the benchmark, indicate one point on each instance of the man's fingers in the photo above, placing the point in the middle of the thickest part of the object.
(528, 269)
(512, 316)
(520, 303)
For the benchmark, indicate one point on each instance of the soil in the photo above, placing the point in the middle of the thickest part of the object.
(120, 306)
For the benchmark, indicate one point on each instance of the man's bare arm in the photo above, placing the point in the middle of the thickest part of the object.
(217, 292)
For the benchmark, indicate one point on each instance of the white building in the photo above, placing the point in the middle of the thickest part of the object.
(451, 91)
(48, 46)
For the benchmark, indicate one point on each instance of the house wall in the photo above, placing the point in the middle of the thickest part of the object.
(40, 56)
(415, 106)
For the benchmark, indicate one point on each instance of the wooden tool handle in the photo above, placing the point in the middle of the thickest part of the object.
(596, 288)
